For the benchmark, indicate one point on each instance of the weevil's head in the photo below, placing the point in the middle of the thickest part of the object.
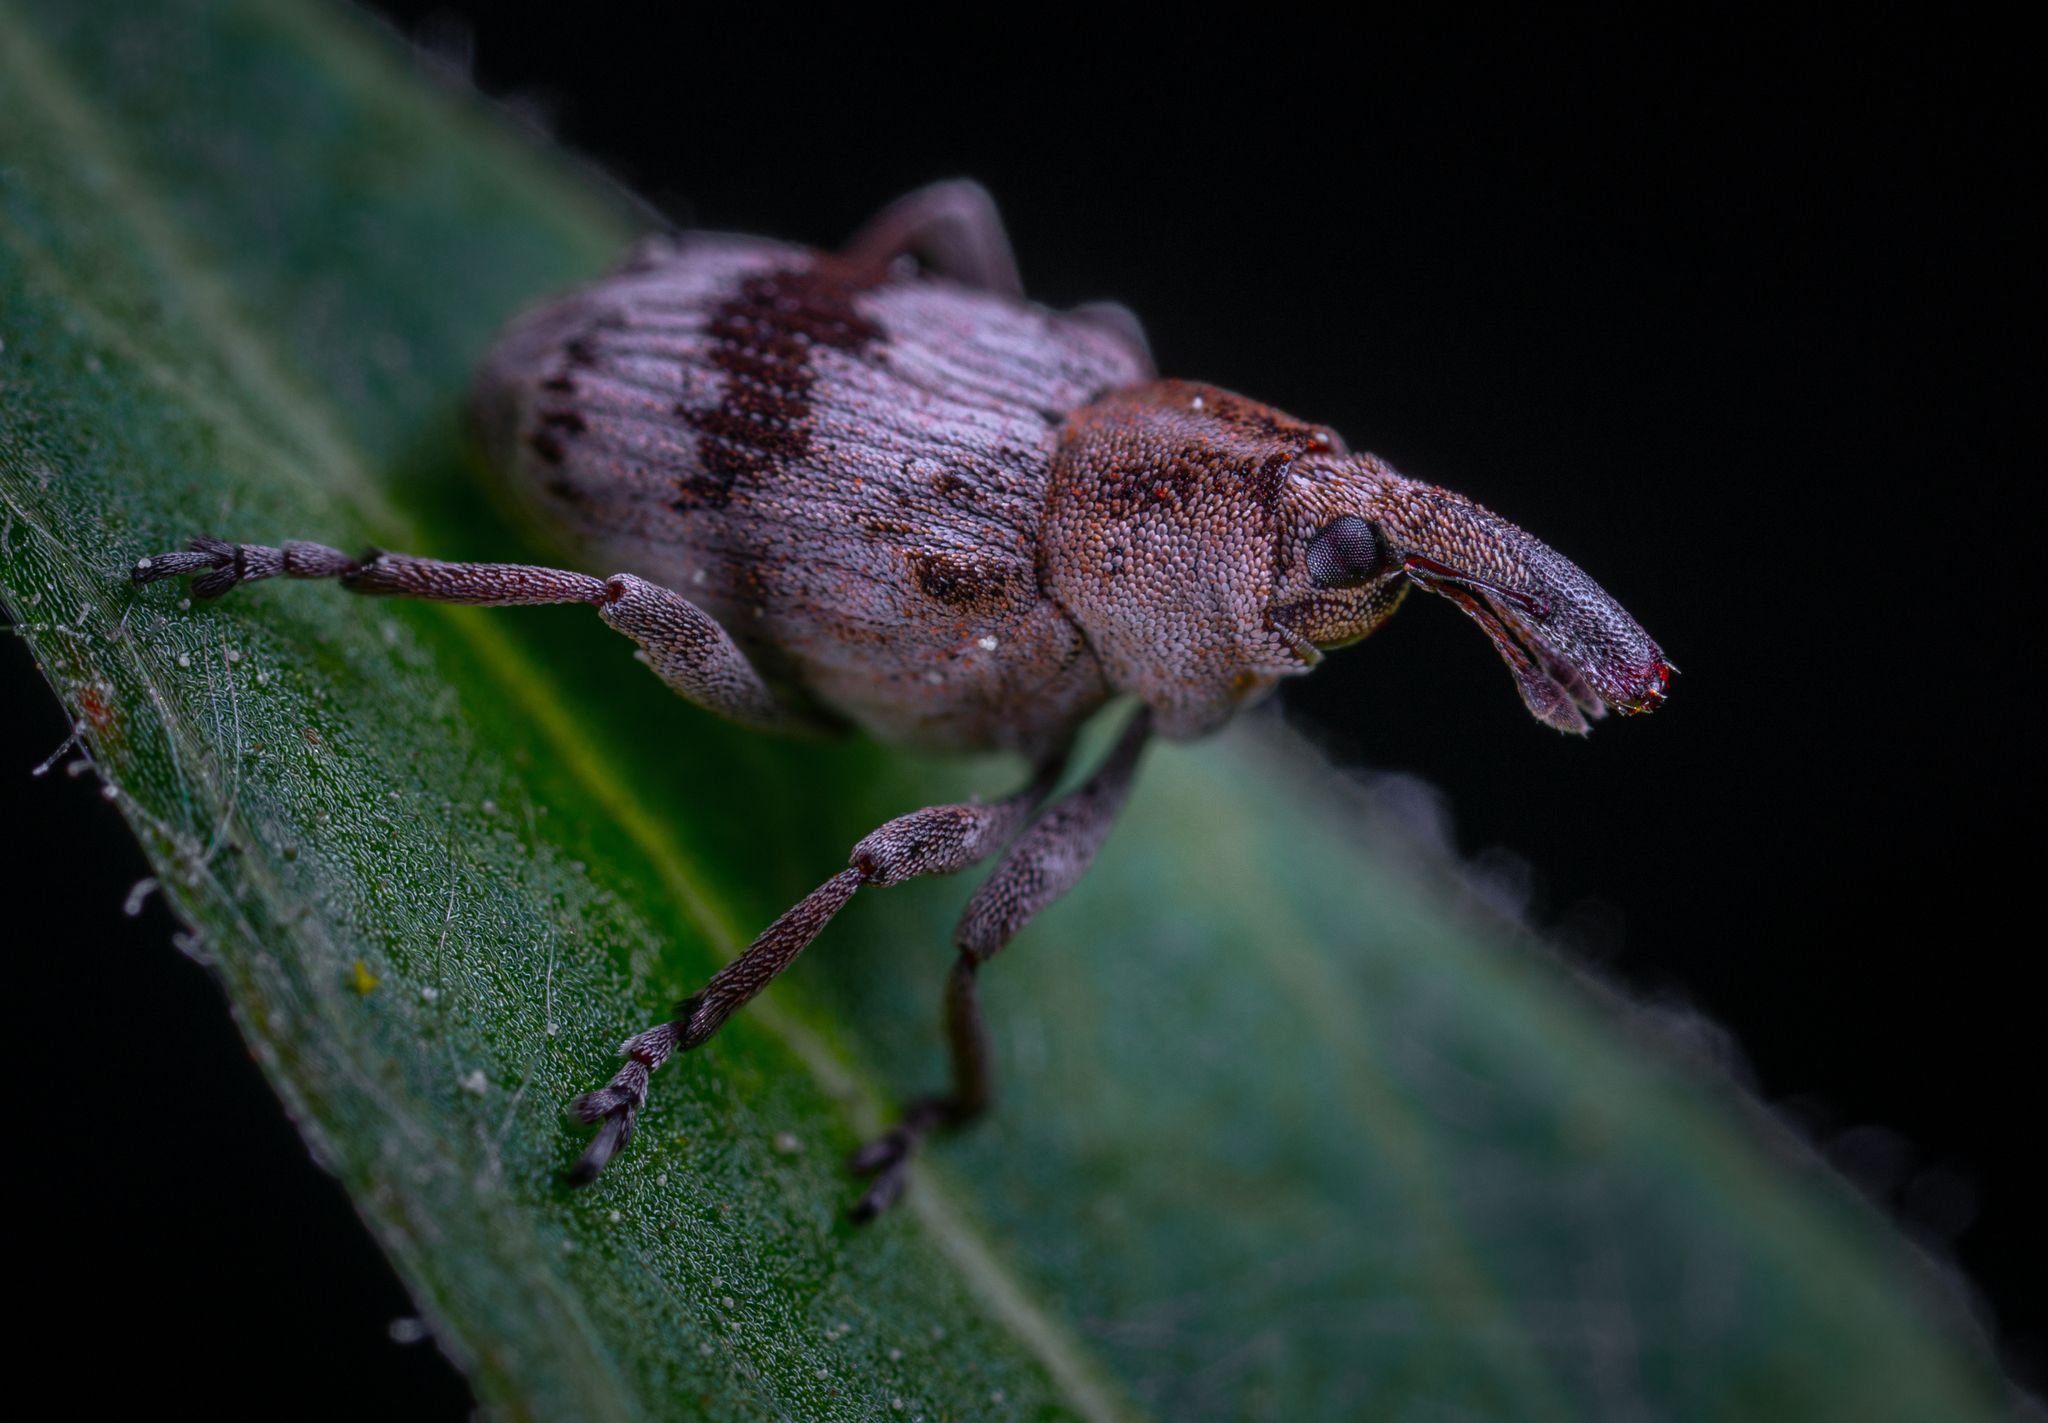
(1209, 545)
(1355, 536)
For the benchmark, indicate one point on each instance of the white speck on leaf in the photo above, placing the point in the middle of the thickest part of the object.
(430, 994)
(476, 1082)
(987, 644)
(787, 1143)
(612, 1216)
(727, 1302)
(184, 659)
(132, 906)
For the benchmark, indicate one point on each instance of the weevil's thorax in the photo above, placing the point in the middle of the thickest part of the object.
(1170, 531)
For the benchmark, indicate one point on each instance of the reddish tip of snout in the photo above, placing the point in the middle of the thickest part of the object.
(1656, 682)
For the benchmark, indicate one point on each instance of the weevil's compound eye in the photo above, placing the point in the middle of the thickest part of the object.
(1345, 553)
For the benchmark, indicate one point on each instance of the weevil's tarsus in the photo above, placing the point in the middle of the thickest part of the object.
(217, 565)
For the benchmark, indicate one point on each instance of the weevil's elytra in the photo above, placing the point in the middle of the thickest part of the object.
(844, 489)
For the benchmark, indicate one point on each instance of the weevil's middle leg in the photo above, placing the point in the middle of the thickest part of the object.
(934, 841)
(1043, 865)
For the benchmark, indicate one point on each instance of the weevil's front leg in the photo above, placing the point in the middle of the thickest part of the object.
(682, 643)
(1043, 865)
(954, 227)
(934, 841)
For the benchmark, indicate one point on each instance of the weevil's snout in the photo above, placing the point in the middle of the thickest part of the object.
(1362, 536)
(1573, 650)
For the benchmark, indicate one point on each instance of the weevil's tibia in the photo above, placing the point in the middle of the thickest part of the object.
(937, 840)
(1043, 865)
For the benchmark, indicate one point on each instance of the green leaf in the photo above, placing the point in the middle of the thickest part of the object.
(1291, 1126)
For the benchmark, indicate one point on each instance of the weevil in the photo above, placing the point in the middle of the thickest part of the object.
(879, 488)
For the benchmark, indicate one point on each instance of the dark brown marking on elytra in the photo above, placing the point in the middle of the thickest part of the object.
(547, 444)
(764, 338)
(971, 582)
(569, 492)
(554, 424)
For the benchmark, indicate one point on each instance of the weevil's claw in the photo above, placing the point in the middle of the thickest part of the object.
(886, 1191)
(615, 1133)
(890, 1156)
(207, 557)
(618, 1102)
(883, 1151)
(887, 1157)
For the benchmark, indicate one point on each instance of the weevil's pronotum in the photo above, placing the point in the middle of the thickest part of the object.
(881, 488)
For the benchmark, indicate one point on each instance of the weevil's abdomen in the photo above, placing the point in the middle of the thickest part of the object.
(846, 468)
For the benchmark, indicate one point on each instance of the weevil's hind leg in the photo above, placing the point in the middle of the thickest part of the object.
(682, 643)
(934, 841)
(953, 227)
(973, 1092)
(1043, 865)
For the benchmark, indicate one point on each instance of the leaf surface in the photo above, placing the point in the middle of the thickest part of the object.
(1291, 1126)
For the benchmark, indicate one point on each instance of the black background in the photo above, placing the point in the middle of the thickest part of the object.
(1731, 317)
